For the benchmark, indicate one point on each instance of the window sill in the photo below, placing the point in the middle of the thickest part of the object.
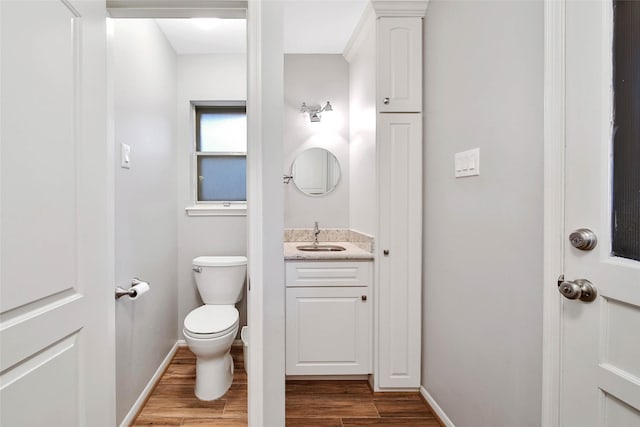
(213, 209)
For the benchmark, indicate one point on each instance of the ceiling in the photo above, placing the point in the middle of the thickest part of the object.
(205, 35)
(310, 26)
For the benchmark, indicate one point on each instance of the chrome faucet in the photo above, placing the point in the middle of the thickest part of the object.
(316, 232)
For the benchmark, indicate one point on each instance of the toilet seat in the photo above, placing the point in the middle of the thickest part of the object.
(219, 261)
(211, 321)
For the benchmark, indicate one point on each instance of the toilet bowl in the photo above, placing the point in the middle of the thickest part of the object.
(210, 330)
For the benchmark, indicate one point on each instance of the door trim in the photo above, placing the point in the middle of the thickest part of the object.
(149, 9)
(252, 11)
(554, 196)
(255, 223)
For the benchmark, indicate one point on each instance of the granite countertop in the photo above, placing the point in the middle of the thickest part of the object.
(351, 252)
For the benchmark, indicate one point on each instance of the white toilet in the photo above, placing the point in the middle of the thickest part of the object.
(211, 329)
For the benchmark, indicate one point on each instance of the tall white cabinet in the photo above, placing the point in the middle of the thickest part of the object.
(399, 260)
(398, 278)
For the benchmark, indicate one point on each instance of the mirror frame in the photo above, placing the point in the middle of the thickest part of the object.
(337, 163)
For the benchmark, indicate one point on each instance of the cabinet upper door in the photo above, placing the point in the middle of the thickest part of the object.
(399, 64)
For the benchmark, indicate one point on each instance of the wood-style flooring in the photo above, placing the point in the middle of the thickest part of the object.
(308, 403)
(173, 402)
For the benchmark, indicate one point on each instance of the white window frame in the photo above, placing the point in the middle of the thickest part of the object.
(210, 208)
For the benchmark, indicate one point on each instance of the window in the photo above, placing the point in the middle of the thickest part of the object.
(626, 142)
(221, 158)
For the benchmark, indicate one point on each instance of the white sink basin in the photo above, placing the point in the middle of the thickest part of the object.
(320, 248)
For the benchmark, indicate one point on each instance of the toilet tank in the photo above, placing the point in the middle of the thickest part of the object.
(220, 279)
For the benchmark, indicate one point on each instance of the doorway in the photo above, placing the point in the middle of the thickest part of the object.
(162, 71)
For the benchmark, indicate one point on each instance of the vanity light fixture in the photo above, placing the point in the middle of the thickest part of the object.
(315, 111)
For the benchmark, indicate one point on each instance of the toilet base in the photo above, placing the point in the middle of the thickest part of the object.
(213, 377)
(214, 364)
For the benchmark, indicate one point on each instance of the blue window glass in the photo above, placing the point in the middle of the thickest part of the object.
(221, 147)
(222, 178)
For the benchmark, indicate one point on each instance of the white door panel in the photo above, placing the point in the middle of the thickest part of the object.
(53, 399)
(399, 254)
(618, 414)
(38, 157)
(600, 354)
(56, 273)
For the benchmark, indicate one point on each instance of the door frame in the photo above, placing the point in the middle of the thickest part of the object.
(554, 196)
(252, 11)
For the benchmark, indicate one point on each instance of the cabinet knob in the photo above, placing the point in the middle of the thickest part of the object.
(364, 297)
(385, 101)
(386, 252)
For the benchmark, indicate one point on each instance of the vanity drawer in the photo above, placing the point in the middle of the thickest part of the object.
(327, 273)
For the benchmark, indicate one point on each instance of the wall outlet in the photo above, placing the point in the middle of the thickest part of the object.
(467, 163)
(125, 156)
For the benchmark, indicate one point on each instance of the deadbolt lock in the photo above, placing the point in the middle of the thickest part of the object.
(583, 239)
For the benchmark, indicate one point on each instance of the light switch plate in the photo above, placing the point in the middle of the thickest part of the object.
(467, 163)
(125, 156)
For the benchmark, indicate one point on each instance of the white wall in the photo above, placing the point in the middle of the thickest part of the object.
(362, 144)
(482, 306)
(145, 200)
(266, 220)
(204, 78)
(316, 79)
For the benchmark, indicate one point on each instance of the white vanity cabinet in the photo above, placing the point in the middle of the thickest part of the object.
(399, 64)
(328, 318)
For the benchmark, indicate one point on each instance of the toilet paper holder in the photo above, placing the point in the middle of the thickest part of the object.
(131, 293)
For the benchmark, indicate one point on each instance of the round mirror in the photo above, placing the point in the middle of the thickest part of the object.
(316, 171)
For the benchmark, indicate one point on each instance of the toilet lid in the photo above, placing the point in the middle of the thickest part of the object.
(211, 319)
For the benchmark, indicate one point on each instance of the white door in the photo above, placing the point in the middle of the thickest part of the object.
(399, 253)
(600, 354)
(56, 289)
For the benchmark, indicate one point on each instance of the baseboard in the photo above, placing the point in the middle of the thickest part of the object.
(142, 399)
(327, 377)
(436, 408)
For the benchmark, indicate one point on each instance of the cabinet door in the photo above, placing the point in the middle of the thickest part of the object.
(328, 331)
(399, 65)
(399, 254)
